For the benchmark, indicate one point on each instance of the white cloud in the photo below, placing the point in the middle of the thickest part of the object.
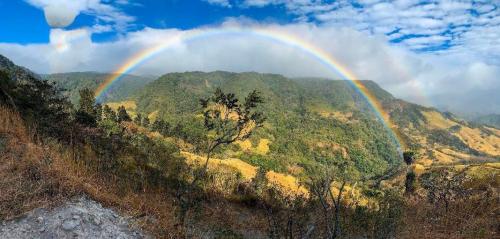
(61, 13)
(223, 3)
(261, 3)
(421, 78)
(454, 21)
(58, 17)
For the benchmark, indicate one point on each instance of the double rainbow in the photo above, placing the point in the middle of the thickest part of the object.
(269, 35)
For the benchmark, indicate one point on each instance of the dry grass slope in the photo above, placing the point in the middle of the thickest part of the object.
(27, 181)
(472, 137)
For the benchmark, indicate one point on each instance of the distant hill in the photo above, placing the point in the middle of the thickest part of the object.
(74, 81)
(14, 71)
(491, 119)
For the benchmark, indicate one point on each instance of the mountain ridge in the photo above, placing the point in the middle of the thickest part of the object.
(333, 107)
(72, 82)
(441, 136)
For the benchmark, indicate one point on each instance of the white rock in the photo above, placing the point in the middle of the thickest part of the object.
(69, 225)
(96, 221)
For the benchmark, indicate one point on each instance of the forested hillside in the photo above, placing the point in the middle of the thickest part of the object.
(75, 81)
(313, 120)
(304, 126)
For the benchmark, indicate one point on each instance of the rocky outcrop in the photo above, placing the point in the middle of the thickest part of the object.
(81, 218)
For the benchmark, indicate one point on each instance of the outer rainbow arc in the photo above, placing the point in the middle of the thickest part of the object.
(276, 36)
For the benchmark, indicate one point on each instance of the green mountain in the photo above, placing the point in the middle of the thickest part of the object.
(309, 120)
(491, 119)
(312, 120)
(75, 81)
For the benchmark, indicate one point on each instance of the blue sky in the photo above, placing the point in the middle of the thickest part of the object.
(422, 26)
(432, 52)
(26, 23)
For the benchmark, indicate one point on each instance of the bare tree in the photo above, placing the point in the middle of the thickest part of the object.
(445, 186)
(320, 185)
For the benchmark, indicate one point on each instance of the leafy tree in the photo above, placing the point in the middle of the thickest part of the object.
(411, 178)
(145, 121)
(109, 113)
(138, 119)
(40, 103)
(259, 182)
(177, 130)
(409, 157)
(161, 126)
(98, 112)
(123, 115)
(410, 182)
(86, 114)
(302, 108)
(6, 85)
(226, 120)
(87, 101)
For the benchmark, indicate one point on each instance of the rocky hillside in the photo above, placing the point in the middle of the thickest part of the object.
(81, 218)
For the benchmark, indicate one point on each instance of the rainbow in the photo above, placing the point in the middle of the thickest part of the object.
(269, 35)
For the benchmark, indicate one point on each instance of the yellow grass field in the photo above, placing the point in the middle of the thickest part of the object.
(262, 148)
(436, 120)
(343, 117)
(473, 137)
(129, 105)
(288, 184)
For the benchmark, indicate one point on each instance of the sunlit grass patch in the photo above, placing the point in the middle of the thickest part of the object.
(475, 139)
(153, 116)
(129, 105)
(436, 120)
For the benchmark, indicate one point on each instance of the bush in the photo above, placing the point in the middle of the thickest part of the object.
(410, 182)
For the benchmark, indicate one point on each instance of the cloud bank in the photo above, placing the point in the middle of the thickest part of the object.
(425, 79)
(421, 26)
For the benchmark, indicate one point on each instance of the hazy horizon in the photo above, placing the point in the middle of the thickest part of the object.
(439, 53)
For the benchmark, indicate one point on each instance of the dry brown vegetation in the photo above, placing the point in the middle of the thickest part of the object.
(35, 175)
(473, 137)
(475, 217)
(27, 181)
(45, 175)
